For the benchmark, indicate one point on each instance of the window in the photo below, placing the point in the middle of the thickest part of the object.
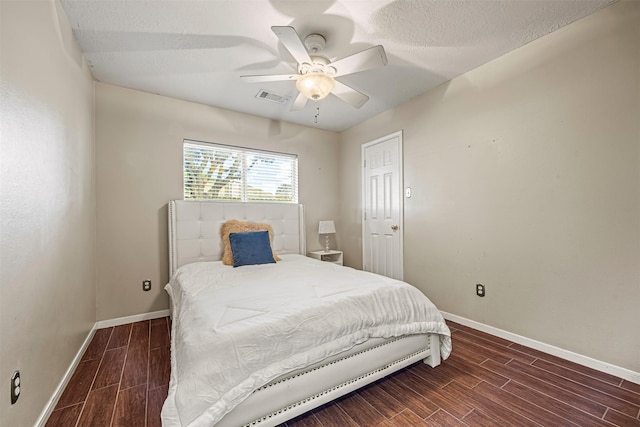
(225, 173)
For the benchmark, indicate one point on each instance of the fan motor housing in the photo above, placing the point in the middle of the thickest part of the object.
(319, 64)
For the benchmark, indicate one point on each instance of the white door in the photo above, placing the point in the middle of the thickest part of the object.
(382, 201)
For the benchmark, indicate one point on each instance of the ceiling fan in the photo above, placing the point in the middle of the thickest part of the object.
(316, 76)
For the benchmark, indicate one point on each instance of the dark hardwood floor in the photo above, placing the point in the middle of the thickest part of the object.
(123, 379)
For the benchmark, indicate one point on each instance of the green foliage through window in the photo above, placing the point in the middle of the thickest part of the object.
(219, 172)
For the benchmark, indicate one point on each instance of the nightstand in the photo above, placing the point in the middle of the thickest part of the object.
(328, 256)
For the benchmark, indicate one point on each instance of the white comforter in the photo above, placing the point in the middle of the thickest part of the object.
(236, 329)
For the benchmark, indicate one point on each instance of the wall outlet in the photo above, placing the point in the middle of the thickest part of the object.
(480, 290)
(146, 285)
(15, 387)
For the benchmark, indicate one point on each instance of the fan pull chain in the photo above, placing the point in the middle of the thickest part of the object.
(317, 114)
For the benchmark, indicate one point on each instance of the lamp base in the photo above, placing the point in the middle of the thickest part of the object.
(326, 243)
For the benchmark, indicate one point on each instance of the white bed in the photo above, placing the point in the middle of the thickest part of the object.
(221, 374)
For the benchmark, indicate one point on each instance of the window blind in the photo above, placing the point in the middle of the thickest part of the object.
(225, 173)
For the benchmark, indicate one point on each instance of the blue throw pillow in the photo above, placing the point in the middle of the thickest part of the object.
(250, 248)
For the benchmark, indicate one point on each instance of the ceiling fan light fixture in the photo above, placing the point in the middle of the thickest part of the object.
(315, 85)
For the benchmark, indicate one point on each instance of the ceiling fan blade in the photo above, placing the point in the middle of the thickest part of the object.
(367, 59)
(291, 40)
(269, 78)
(299, 102)
(349, 95)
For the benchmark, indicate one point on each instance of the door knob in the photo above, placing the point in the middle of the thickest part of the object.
(394, 227)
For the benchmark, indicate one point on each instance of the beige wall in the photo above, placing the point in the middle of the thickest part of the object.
(526, 178)
(139, 169)
(47, 204)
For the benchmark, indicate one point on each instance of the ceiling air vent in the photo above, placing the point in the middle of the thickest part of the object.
(263, 94)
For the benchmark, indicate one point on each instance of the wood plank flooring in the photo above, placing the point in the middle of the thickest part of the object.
(123, 379)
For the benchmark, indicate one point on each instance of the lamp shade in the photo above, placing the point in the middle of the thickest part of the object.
(326, 227)
(315, 85)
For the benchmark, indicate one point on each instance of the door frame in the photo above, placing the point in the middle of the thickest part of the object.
(400, 200)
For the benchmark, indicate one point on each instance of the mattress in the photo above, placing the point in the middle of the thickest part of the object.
(237, 329)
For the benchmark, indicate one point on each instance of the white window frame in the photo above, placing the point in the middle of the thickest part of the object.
(243, 153)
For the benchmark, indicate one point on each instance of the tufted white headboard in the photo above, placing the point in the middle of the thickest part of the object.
(194, 228)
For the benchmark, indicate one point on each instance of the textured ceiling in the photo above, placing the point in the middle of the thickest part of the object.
(197, 50)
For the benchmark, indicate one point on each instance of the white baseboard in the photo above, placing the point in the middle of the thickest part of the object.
(587, 361)
(131, 319)
(53, 401)
(51, 404)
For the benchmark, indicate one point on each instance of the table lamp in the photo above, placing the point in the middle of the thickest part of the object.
(326, 228)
